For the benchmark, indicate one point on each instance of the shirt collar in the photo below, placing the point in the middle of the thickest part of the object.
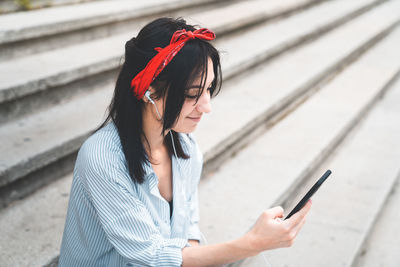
(150, 175)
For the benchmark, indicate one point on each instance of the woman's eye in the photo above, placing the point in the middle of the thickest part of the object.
(191, 96)
(195, 96)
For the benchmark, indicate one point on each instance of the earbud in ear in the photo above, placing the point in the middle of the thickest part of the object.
(147, 94)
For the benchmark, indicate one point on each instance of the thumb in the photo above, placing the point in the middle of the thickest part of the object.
(275, 212)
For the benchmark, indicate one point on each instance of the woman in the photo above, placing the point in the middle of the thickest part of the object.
(133, 198)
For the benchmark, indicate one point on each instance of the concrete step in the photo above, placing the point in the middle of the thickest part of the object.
(31, 229)
(280, 159)
(382, 244)
(28, 88)
(365, 168)
(26, 25)
(61, 26)
(40, 140)
(273, 38)
(8, 6)
(26, 33)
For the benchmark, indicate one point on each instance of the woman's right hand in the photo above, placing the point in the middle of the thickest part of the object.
(270, 231)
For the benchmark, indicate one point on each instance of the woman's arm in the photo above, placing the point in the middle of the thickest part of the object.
(268, 233)
(217, 254)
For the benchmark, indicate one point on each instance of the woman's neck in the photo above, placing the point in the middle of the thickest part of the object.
(152, 130)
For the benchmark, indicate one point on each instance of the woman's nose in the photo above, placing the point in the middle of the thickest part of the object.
(204, 103)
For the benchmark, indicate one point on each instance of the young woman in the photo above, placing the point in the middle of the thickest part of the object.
(133, 198)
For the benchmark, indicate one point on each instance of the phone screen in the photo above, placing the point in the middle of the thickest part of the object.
(309, 194)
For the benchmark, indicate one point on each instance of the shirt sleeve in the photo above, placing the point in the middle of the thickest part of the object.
(194, 230)
(124, 218)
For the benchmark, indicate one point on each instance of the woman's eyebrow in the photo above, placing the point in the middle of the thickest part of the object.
(194, 86)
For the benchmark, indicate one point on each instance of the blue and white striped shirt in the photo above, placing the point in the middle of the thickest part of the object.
(111, 221)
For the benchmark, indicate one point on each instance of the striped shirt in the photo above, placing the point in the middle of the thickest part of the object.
(111, 221)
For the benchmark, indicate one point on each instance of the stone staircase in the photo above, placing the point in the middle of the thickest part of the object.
(308, 85)
(8, 6)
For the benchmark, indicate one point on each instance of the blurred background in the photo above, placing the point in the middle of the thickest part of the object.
(309, 85)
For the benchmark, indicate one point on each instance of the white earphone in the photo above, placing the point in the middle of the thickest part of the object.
(147, 95)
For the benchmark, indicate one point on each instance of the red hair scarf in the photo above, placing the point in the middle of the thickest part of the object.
(141, 82)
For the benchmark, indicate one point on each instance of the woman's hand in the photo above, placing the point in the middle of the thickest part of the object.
(271, 232)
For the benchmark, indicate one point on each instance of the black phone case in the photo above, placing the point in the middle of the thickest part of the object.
(309, 194)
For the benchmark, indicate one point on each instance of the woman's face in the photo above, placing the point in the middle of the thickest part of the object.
(192, 112)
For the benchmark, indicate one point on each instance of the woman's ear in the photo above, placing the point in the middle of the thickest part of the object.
(151, 90)
(145, 100)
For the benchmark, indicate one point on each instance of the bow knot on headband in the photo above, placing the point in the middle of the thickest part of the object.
(141, 82)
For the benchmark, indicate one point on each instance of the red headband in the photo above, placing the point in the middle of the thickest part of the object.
(143, 79)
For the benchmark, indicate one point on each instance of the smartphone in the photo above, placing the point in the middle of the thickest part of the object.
(309, 194)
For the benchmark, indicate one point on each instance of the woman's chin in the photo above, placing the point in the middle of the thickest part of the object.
(186, 129)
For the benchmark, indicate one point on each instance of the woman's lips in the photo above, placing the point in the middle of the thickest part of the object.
(196, 119)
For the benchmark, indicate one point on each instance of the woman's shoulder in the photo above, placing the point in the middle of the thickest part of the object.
(192, 146)
(101, 162)
(101, 148)
(105, 138)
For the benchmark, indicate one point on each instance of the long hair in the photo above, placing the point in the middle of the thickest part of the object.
(125, 111)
